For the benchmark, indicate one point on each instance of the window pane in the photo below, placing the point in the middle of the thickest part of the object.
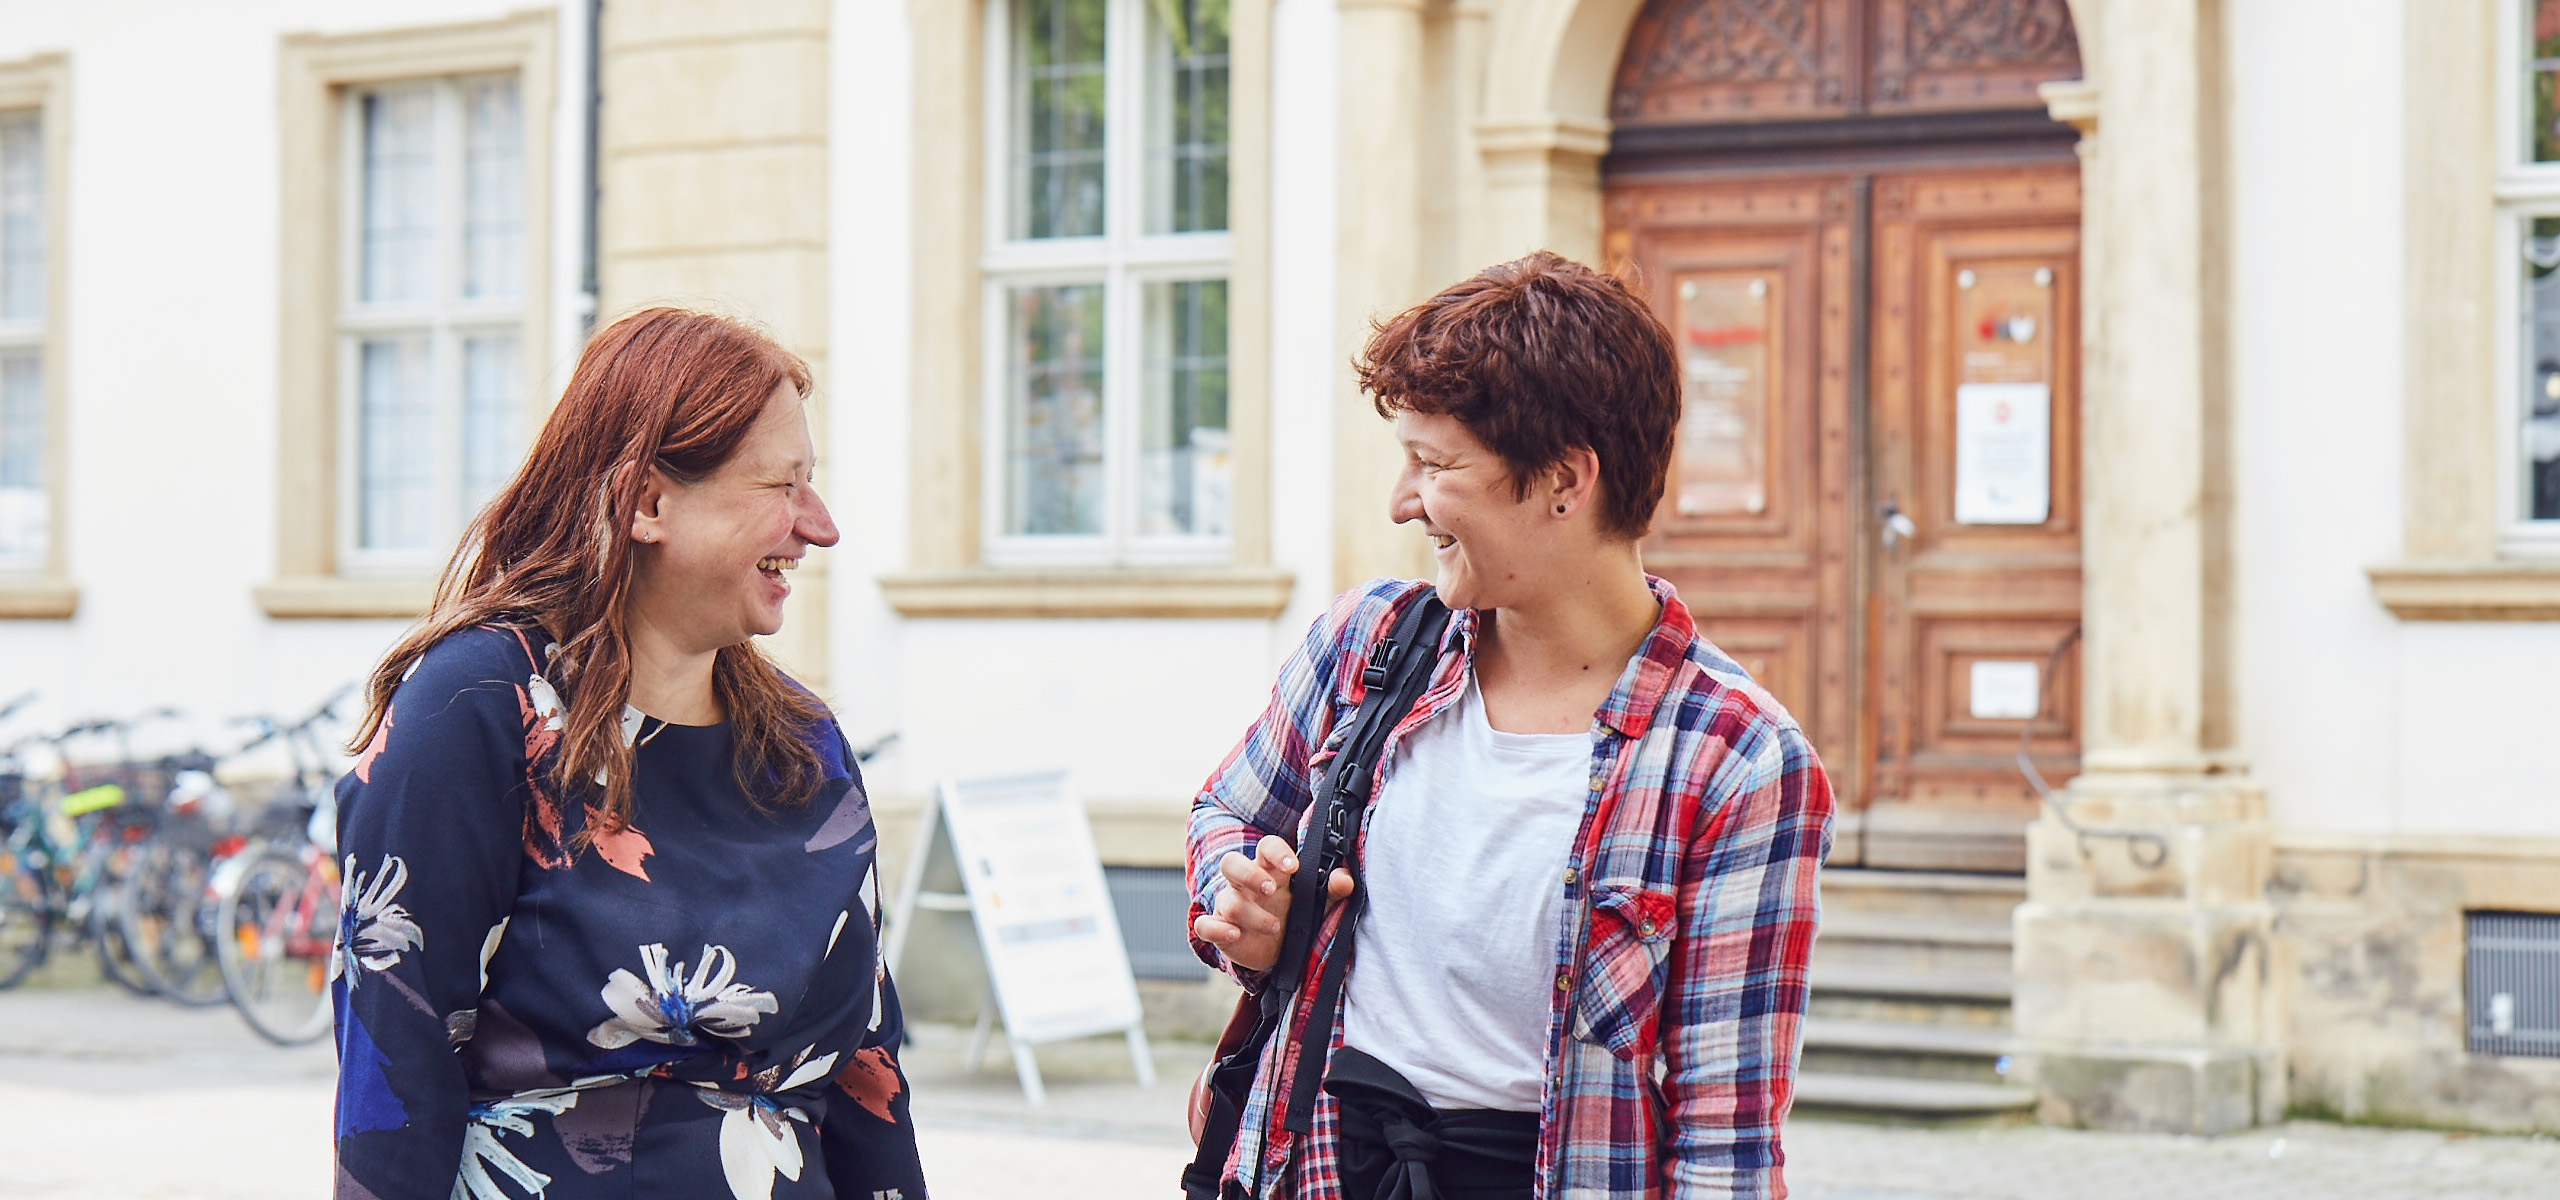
(395, 446)
(1053, 411)
(1057, 118)
(21, 217)
(493, 191)
(1183, 465)
(398, 232)
(1186, 115)
(2541, 410)
(2545, 76)
(492, 414)
(24, 510)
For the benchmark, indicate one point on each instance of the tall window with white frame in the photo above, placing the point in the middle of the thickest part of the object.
(1106, 283)
(25, 498)
(2529, 194)
(433, 309)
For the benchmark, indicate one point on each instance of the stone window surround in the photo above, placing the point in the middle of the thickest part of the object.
(2463, 559)
(43, 83)
(946, 576)
(314, 72)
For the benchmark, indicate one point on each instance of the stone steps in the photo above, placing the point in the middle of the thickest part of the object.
(1910, 1098)
(1987, 986)
(1911, 987)
(1844, 1033)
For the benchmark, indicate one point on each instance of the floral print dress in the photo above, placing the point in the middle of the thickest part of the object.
(693, 1006)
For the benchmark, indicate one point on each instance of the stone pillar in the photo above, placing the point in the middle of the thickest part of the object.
(1379, 267)
(714, 169)
(1541, 187)
(2142, 962)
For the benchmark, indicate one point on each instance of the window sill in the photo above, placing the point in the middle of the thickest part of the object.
(1249, 592)
(328, 596)
(38, 599)
(2507, 590)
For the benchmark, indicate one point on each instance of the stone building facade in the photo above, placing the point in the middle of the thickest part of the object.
(1081, 280)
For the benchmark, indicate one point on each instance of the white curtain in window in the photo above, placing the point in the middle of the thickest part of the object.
(21, 217)
(433, 332)
(399, 231)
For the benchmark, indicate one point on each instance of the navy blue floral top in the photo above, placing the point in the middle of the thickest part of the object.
(692, 1004)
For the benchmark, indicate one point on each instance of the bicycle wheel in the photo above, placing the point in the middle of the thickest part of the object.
(275, 926)
(104, 925)
(26, 917)
(166, 914)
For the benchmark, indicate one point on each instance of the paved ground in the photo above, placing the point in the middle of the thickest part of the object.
(103, 1097)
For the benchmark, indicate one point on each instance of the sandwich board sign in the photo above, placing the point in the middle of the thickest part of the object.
(1021, 854)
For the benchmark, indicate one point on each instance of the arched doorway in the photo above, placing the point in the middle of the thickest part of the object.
(1863, 228)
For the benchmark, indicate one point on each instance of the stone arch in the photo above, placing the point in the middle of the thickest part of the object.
(1545, 125)
(1556, 57)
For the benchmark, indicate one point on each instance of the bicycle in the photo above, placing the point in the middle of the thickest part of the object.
(66, 858)
(165, 905)
(26, 916)
(276, 915)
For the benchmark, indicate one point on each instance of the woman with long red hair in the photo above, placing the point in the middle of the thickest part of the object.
(611, 904)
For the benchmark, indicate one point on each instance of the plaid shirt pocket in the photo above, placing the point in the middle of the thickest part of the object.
(1624, 964)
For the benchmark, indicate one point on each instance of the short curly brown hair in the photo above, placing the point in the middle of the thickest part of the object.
(1537, 357)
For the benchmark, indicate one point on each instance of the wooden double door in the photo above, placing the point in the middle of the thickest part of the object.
(1875, 503)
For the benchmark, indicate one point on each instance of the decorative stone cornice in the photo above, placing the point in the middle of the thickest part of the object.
(2498, 590)
(1257, 593)
(1544, 134)
(330, 596)
(38, 599)
(2074, 102)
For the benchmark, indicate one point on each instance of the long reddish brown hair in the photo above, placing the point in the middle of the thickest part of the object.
(666, 388)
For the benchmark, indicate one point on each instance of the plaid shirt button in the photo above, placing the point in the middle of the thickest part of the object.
(1646, 929)
(1564, 981)
(1570, 875)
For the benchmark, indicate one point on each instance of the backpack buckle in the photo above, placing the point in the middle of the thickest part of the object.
(1374, 676)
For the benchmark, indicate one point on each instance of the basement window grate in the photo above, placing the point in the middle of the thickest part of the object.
(2512, 983)
(1154, 904)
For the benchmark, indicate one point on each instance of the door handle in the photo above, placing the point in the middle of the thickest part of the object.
(1896, 525)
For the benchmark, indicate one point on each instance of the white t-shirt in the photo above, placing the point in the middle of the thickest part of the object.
(1455, 963)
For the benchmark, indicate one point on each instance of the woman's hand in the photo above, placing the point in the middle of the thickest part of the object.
(1253, 913)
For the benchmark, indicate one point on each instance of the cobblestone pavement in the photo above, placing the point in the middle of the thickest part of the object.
(104, 1097)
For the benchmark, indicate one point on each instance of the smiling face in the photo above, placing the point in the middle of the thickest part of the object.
(1494, 548)
(712, 568)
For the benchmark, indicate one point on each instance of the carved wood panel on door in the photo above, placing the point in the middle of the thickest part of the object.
(1974, 409)
(1864, 234)
(1758, 526)
(1711, 61)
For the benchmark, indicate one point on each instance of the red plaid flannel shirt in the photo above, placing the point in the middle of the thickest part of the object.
(1690, 910)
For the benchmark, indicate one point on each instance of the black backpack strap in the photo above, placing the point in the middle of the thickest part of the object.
(1398, 671)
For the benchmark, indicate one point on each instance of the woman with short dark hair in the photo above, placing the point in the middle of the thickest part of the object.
(1589, 865)
(611, 898)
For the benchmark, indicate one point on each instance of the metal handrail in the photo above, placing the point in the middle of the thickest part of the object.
(2136, 841)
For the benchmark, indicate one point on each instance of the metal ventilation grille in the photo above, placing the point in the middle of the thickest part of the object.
(2512, 983)
(1154, 904)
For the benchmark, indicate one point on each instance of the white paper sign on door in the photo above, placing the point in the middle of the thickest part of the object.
(2004, 453)
(2004, 691)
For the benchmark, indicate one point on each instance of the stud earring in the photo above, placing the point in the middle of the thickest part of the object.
(1559, 510)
